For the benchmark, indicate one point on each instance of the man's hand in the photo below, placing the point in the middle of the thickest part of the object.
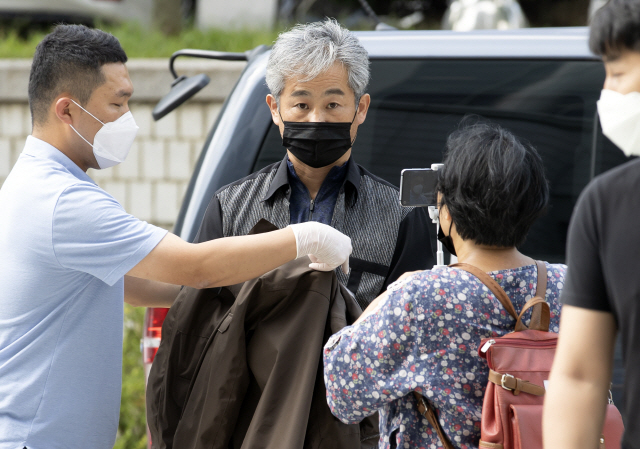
(326, 247)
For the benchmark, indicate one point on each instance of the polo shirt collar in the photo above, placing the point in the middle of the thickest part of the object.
(42, 150)
(281, 180)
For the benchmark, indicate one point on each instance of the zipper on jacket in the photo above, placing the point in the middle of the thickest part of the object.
(311, 205)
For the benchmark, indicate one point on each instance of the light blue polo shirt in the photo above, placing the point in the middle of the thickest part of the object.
(65, 246)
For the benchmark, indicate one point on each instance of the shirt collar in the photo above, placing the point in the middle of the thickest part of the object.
(281, 180)
(42, 150)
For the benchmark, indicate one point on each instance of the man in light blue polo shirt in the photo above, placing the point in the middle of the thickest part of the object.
(71, 254)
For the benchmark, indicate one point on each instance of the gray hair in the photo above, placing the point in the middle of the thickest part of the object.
(312, 49)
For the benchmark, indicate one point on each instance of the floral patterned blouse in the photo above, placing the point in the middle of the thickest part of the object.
(425, 337)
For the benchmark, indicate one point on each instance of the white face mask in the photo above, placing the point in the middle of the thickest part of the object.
(113, 141)
(620, 119)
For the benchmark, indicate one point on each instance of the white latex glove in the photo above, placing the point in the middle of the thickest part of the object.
(326, 247)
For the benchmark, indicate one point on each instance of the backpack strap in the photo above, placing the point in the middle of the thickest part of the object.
(423, 404)
(540, 315)
(515, 384)
(491, 285)
(541, 288)
(430, 415)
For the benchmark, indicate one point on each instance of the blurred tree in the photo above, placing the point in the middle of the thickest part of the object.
(167, 16)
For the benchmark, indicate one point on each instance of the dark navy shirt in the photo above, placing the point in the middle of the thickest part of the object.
(302, 208)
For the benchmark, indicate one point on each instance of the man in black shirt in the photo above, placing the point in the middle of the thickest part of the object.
(602, 291)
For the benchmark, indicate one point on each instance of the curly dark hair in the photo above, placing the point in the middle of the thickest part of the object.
(493, 185)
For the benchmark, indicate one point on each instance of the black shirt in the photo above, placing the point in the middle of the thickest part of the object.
(603, 255)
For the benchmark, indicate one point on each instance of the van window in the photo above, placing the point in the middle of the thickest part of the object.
(415, 104)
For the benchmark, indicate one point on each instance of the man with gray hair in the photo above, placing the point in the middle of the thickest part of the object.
(318, 74)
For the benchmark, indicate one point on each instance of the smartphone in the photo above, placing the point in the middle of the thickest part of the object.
(417, 187)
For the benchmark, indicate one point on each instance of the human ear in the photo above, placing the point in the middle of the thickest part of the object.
(273, 106)
(363, 107)
(62, 110)
(445, 216)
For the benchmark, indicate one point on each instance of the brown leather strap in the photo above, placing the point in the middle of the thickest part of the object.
(515, 384)
(541, 291)
(487, 445)
(540, 320)
(425, 410)
(541, 288)
(540, 315)
(491, 284)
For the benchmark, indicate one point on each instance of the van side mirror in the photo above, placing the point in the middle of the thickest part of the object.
(182, 89)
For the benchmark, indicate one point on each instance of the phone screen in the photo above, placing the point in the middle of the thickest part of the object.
(417, 187)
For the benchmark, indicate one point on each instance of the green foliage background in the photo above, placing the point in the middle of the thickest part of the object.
(141, 42)
(132, 433)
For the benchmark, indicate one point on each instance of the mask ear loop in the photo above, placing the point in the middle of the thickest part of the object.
(88, 143)
(76, 131)
(87, 112)
(450, 224)
(353, 120)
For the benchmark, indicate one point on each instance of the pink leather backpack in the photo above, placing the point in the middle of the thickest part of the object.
(519, 364)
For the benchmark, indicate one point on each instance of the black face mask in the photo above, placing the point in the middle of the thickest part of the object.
(446, 240)
(317, 144)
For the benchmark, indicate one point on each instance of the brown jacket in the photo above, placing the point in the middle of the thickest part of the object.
(241, 366)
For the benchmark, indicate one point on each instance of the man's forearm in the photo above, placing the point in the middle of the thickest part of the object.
(231, 260)
(576, 396)
(573, 413)
(145, 293)
(220, 262)
(216, 263)
(237, 259)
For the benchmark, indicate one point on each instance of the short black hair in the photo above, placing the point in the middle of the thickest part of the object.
(615, 28)
(70, 59)
(493, 185)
